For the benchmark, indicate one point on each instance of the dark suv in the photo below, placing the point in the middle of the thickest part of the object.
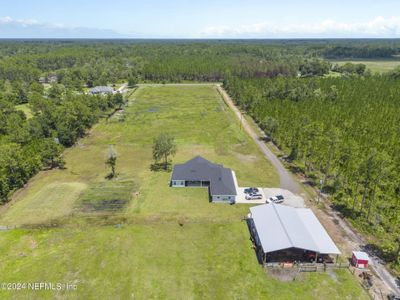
(251, 190)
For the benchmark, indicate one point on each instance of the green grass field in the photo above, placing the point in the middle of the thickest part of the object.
(25, 109)
(139, 250)
(375, 66)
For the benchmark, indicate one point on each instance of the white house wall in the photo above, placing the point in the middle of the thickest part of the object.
(223, 198)
(178, 183)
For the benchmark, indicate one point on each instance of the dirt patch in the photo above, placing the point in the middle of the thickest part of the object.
(332, 274)
(104, 205)
(153, 109)
(284, 275)
(80, 145)
(246, 158)
(108, 196)
(32, 244)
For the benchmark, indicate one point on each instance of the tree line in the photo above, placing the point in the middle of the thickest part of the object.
(27, 146)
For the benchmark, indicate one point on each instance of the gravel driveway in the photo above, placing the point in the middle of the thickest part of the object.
(290, 199)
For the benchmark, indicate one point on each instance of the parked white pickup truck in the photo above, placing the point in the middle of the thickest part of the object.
(275, 199)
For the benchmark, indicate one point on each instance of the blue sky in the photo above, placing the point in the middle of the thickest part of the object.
(199, 19)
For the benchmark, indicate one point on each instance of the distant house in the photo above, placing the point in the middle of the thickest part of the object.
(101, 90)
(199, 172)
(286, 233)
(52, 78)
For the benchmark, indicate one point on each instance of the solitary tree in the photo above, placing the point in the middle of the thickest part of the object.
(4, 188)
(132, 81)
(164, 146)
(111, 160)
(119, 100)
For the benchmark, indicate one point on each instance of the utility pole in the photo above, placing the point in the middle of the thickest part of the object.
(319, 194)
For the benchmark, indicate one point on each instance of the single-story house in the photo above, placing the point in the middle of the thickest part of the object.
(199, 172)
(52, 78)
(101, 90)
(360, 259)
(279, 230)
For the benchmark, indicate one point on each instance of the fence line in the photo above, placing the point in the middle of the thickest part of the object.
(303, 267)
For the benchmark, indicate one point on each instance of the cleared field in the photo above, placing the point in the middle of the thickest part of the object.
(155, 261)
(164, 243)
(376, 66)
(48, 203)
(25, 109)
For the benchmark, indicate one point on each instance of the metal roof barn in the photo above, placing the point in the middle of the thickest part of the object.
(102, 90)
(281, 227)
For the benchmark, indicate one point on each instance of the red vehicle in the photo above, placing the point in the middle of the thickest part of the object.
(309, 256)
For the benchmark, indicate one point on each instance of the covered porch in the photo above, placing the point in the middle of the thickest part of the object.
(197, 183)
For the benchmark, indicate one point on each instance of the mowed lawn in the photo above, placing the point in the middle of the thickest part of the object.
(164, 243)
(25, 109)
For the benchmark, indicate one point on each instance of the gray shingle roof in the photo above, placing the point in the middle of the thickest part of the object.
(101, 90)
(282, 227)
(200, 169)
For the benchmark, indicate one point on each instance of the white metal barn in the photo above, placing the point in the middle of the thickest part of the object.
(276, 228)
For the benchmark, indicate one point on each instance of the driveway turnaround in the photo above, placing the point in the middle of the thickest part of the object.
(289, 198)
(241, 196)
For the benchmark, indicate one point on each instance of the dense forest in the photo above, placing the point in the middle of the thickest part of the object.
(94, 63)
(91, 63)
(342, 133)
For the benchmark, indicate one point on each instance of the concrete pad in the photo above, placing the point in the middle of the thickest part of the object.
(241, 196)
(290, 199)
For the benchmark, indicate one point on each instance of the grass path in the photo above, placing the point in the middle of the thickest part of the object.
(375, 66)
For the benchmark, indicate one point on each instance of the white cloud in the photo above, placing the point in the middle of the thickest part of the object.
(30, 28)
(5, 20)
(378, 27)
(23, 22)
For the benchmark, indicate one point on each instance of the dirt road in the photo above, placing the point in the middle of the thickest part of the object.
(287, 181)
(179, 84)
(122, 88)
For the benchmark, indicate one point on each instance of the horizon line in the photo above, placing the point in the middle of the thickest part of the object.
(200, 38)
